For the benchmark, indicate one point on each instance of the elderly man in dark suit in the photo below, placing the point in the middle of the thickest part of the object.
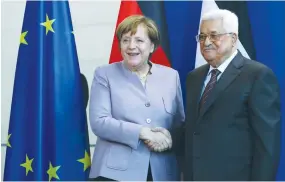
(233, 113)
(232, 128)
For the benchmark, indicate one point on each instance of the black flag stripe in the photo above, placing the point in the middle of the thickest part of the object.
(156, 11)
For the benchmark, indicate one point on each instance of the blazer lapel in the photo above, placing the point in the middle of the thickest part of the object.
(132, 78)
(231, 72)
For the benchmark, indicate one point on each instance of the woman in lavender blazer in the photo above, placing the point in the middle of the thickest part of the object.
(129, 99)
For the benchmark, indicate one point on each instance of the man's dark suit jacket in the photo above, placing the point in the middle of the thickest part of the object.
(236, 135)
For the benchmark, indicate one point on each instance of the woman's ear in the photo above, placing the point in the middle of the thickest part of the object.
(152, 48)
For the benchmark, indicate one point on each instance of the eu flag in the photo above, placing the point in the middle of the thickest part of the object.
(47, 137)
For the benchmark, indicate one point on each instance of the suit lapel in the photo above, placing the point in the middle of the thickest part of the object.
(195, 92)
(229, 75)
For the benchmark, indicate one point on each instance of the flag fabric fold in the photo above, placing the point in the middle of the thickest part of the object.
(48, 136)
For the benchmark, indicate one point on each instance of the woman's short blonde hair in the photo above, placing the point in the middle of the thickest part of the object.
(131, 23)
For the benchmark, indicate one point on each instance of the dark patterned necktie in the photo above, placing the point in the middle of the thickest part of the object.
(211, 84)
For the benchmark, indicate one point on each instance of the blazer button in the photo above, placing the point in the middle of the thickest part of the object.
(147, 104)
(148, 120)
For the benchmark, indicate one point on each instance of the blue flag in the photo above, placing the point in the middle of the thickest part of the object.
(48, 136)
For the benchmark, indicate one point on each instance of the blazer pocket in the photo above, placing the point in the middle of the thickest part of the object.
(118, 157)
(169, 105)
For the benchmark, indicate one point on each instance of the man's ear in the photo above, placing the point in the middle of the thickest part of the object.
(234, 38)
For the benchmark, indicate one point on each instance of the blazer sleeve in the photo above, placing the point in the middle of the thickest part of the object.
(265, 118)
(102, 123)
(180, 114)
(177, 132)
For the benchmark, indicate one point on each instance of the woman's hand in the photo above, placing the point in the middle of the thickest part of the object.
(159, 140)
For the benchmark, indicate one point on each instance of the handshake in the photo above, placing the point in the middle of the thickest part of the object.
(157, 139)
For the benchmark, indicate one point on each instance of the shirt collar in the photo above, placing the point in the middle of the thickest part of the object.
(224, 65)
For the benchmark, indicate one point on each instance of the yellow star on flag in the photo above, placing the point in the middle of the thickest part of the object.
(48, 24)
(28, 165)
(8, 142)
(86, 161)
(22, 38)
(52, 172)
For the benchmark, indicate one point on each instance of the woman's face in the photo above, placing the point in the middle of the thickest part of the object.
(135, 49)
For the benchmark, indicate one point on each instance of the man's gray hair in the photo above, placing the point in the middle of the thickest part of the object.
(230, 19)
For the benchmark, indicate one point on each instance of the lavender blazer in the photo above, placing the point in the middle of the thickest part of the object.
(119, 107)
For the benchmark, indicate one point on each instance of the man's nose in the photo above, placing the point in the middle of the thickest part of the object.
(207, 41)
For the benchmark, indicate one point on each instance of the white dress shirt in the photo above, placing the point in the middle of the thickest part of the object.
(221, 68)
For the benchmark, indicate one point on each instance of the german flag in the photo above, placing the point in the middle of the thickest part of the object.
(153, 10)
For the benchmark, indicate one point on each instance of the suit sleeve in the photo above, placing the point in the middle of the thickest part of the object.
(102, 123)
(265, 118)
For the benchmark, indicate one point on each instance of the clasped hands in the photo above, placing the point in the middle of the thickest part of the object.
(157, 139)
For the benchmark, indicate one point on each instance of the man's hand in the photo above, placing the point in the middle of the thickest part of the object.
(160, 134)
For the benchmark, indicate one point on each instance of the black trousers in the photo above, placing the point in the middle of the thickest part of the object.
(100, 178)
(149, 175)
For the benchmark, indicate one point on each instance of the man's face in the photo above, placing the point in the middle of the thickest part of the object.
(215, 43)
